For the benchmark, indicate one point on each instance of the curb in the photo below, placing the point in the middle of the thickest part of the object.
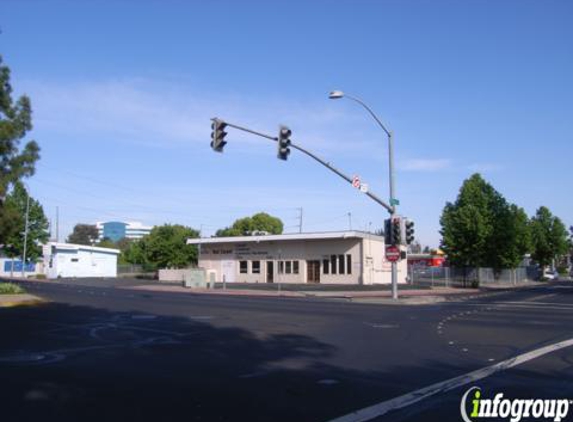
(26, 300)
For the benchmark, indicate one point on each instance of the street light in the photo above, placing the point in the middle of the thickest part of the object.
(334, 95)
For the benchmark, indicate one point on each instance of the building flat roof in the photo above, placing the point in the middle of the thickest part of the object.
(351, 234)
(74, 247)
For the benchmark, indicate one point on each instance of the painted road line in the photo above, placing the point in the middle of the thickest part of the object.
(408, 399)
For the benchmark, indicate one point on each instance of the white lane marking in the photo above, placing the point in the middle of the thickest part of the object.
(408, 399)
(535, 298)
(538, 304)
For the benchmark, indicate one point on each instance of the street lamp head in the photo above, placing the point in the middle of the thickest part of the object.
(335, 95)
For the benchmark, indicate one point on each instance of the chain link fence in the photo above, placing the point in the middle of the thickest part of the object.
(469, 277)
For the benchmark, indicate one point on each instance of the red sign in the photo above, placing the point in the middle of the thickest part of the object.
(356, 182)
(392, 253)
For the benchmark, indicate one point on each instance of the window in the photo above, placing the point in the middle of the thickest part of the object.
(243, 267)
(348, 264)
(288, 265)
(325, 266)
(333, 263)
(256, 267)
(341, 264)
(281, 267)
(295, 267)
(75, 259)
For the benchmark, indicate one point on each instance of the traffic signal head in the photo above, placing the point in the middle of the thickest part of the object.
(409, 231)
(396, 231)
(284, 143)
(388, 232)
(218, 135)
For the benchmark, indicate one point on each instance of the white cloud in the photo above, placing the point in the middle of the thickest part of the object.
(153, 113)
(425, 164)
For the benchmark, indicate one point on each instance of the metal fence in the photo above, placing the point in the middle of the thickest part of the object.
(469, 277)
(131, 269)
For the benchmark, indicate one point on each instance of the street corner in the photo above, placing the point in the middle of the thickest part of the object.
(417, 300)
(10, 301)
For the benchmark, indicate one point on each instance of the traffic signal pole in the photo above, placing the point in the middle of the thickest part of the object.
(391, 208)
(316, 158)
(394, 264)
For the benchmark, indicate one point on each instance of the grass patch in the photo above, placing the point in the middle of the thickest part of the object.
(10, 289)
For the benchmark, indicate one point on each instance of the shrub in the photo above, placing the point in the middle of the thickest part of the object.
(10, 289)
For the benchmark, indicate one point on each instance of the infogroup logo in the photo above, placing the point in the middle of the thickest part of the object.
(514, 409)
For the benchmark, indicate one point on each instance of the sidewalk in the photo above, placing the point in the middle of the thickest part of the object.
(438, 294)
(8, 301)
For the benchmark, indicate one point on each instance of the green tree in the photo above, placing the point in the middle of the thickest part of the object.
(166, 247)
(512, 239)
(107, 243)
(131, 251)
(83, 234)
(260, 222)
(38, 225)
(549, 237)
(15, 162)
(468, 224)
(481, 229)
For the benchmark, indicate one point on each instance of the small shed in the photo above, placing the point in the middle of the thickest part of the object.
(68, 261)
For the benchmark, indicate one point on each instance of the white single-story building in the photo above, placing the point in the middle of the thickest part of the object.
(69, 260)
(345, 257)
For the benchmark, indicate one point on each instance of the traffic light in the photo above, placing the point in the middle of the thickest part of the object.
(388, 232)
(396, 231)
(284, 143)
(409, 231)
(218, 135)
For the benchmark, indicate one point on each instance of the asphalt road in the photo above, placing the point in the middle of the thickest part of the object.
(111, 354)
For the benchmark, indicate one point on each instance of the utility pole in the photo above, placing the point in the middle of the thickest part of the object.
(57, 224)
(25, 235)
(300, 220)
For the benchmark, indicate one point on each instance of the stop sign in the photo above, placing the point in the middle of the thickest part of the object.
(392, 253)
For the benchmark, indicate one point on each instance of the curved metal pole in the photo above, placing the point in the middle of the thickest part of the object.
(391, 182)
(359, 101)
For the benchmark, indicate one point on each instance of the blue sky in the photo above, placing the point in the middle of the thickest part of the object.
(123, 92)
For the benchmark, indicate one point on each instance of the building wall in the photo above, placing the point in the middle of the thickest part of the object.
(377, 270)
(9, 267)
(291, 261)
(80, 263)
(117, 230)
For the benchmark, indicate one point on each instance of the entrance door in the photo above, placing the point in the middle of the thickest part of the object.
(270, 272)
(313, 271)
(228, 271)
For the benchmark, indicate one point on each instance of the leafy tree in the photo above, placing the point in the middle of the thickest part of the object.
(468, 224)
(83, 234)
(131, 251)
(549, 237)
(166, 247)
(17, 202)
(481, 229)
(512, 239)
(107, 243)
(15, 162)
(248, 225)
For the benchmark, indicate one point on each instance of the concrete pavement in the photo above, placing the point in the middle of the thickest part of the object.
(7, 301)
(118, 354)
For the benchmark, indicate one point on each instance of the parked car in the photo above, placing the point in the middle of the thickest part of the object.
(549, 275)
